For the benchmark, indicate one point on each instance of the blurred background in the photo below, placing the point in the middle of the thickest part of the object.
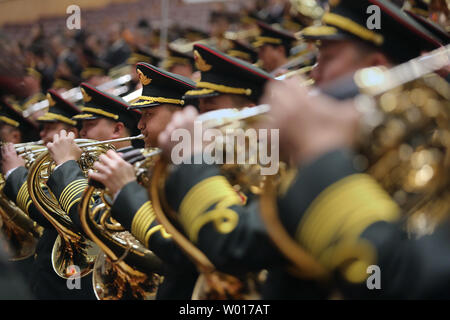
(39, 52)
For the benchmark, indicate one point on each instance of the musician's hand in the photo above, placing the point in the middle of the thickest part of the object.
(10, 158)
(180, 120)
(309, 125)
(63, 148)
(113, 172)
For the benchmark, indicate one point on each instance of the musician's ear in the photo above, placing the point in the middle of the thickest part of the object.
(119, 129)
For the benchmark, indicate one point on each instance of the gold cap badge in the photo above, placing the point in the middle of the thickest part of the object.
(200, 63)
(51, 102)
(86, 97)
(144, 79)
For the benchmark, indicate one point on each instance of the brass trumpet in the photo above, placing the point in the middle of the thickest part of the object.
(71, 247)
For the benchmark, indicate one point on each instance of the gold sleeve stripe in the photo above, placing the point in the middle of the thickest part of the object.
(74, 197)
(68, 189)
(73, 202)
(193, 209)
(202, 196)
(70, 192)
(340, 214)
(155, 229)
(28, 205)
(142, 221)
(22, 197)
(327, 221)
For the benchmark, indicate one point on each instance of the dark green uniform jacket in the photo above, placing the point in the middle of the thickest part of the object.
(230, 232)
(348, 223)
(68, 183)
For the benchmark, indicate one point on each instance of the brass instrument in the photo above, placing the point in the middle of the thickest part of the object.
(125, 269)
(404, 145)
(307, 8)
(410, 156)
(34, 150)
(71, 247)
(242, 34)
(21, 233)
(213, 284)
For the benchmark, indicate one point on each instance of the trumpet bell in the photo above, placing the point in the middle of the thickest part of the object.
(22, 244)
(111, 282)
(67, 264)
(129, 270)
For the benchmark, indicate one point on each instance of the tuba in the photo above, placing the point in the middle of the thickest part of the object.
(121, 270)
(404, 144)
(71, 247)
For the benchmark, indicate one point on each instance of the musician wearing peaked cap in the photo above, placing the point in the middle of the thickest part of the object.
(44, 282)
(344, 223)
(274, 46)
(346, 43)
(14, 128)
(140, 55)
(13, 167)
(162, 95)
(239, 245)
(226, 82)
(143, 55)
(103, 117)
(58, 117)
(242, 51)
(432, 27)
(178, 62)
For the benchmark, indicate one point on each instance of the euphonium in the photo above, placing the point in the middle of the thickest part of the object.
(71, 247)
(125, 269)
(404, 144)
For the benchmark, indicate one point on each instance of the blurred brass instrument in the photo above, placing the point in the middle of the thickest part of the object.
(71, 247)
(307, 8)
(213, 284)
(21, 232)
(242, 34)
(124, 269)
(404, 144)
